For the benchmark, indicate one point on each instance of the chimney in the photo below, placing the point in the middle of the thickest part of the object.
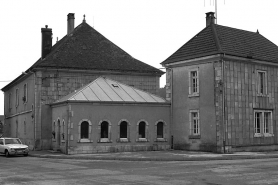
(210, 19)
(70, 22)
(46, 41)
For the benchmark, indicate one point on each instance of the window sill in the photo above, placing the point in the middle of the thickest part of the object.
(193, 95)
(53, 140)
(104, 140)
(63, 141)
(264, 135)
(142, 140)
(194, 137)
(262, 95)
(123, 140)
(85, 141)
(160, 140)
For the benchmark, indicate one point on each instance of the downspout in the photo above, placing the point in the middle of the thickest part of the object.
(68, 126)
(171, 113)
(223, 105)
(35, 108)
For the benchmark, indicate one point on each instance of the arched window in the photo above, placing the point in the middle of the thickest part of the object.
(84, 130)
(104, 129)
(142, 129)
(123, 129)
(160, 130)
(53, 131)
(24, 124)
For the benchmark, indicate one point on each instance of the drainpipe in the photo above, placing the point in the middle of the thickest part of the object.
(35, 110)
(68, 126)
(171, 113)
(223, 105)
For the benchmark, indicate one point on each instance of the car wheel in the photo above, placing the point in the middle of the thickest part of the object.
(25, 154)
(7, 154)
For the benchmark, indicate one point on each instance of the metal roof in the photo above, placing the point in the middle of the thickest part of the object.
(107, 90)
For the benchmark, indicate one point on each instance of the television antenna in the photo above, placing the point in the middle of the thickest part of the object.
(214, 3)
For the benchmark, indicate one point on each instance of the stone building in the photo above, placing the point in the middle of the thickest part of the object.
(109, 116)
(79, 58)
(222, 85)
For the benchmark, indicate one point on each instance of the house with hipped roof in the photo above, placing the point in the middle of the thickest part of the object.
(79, 58)
(87, 95)
(222, 85)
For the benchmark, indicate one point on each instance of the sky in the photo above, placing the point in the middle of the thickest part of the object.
(149, 30)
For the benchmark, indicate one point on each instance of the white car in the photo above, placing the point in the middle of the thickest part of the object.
(13, 146)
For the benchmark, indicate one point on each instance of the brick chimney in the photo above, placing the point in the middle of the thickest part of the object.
(70, 23)
(210, 19)
(46, 41)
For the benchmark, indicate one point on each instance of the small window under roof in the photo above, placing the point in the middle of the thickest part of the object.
(115, 85)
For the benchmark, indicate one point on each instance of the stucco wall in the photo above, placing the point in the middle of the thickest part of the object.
(95, 113)
(17, 115)
(182, 104)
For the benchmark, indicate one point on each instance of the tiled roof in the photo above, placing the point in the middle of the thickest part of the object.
(217, 39)
(85, 48)
(107, 90)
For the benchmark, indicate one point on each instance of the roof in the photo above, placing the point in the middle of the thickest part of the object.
(85, 48)
(106, 90)
(217, 39)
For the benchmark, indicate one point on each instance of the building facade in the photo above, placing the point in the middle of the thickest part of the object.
(77, 59)
(223, 88)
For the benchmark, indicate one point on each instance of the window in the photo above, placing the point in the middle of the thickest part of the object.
(25, 93)
(160, 131)
(142, 130)
(24, 127)
(123, 129)
(261, 83)
(85, 130)
(105, 131)
(53, 131)
(194, 123)
(63, 131)
(1, 142)
(10, 102)
(263, 123)
(16, 98)
(193, 82)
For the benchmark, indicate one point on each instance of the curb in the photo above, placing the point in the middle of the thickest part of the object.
(237, 157)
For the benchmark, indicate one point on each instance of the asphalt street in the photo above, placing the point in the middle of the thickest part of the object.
(47, 171)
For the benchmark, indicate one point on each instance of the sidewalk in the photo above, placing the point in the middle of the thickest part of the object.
(171, 155)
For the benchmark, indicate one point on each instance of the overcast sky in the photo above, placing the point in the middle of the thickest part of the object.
(149, 30)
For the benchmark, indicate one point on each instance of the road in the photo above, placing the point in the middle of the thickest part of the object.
(40, 171)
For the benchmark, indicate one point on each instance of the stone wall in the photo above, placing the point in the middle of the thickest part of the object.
(241, 99)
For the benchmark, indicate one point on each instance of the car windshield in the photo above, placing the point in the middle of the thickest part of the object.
(12, 141)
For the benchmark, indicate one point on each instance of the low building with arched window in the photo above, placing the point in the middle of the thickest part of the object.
(109, 116)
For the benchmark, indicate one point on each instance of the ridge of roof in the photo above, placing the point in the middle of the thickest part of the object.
(86, 48)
